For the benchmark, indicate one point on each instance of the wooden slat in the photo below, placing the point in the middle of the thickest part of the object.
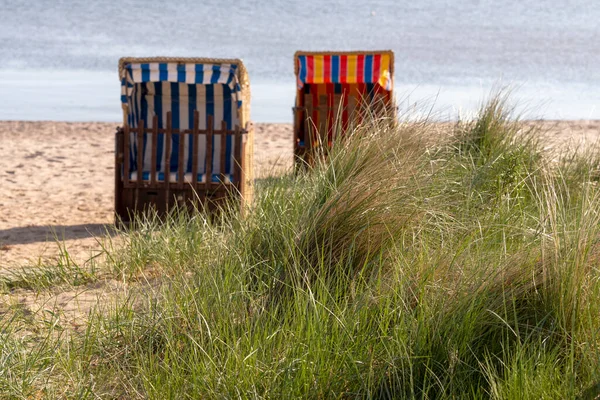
(223, 155)
(237, 158)
(180, 167)
(298, 121)
(351, 112)
(153, 174)
(196, 139)
(119, 154)
(308, 129)
(167, 166)
(322, 125)
(140, 153)
(337, 115)
(177, 131)
(209, 160)
(245, 189)
(126, 153)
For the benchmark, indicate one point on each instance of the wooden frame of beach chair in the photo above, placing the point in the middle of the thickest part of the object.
(333, 89)
(182, 118)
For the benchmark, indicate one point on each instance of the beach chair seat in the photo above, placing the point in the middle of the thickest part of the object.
(334, 91)
(183, 118)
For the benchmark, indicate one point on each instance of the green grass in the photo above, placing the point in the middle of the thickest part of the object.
(408, 265)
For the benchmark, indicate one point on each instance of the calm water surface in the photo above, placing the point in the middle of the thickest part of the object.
(58, 58)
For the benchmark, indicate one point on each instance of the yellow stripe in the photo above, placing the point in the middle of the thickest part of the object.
(351, 72)
(384, 71)
(318, 69)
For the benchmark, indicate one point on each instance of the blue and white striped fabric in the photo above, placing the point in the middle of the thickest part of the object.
(156, 88)
(199, 74)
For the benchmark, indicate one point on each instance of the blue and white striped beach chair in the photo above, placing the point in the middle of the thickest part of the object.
(186, 135)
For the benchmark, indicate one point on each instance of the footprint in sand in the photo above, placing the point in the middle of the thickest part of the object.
(34, 155)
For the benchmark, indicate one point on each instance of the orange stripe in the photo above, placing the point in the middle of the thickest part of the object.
(351, 71)
(384, 72)
(318, 73)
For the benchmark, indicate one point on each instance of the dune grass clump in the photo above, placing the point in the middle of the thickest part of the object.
(410, 261)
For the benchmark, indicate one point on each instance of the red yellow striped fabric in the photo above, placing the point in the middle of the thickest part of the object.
(346, 68)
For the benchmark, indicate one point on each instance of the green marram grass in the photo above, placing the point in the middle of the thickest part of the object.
(410, 261)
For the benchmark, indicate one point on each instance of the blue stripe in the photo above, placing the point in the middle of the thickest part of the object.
(145, 72)
(227, 116)
(337, 88)
(216, 74)
(158, 112)
(181, 73)
(368, 68)
(230, 78)
(199, 73)
(123, 90)
(175, 123)
(335, 68)
(302, 60)
(163, 75)
(191, 109)
(210, 110)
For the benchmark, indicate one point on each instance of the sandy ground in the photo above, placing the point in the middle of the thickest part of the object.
(57, 181)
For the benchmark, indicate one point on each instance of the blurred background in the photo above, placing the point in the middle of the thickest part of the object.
(58, 59)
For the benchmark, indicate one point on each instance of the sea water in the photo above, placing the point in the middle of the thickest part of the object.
(58, 58)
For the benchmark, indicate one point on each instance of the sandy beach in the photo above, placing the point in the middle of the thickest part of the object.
(58, 181)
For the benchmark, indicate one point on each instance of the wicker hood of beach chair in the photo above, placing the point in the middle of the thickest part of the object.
(186, 137)
(333, 88)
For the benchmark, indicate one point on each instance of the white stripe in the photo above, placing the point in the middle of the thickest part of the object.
(218, 107)
(234, 122)
(224, 73)
(133, 139)
(201, 107)
(149, 118)
(184, 104)
(166, 107)
(172, 72)
(154, 73)
(208, 73)
(190, 73)
(137, 72)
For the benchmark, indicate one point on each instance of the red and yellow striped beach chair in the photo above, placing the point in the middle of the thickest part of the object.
(332, 89)
(186, 135)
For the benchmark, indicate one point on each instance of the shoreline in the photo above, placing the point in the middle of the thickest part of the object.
(58, 180)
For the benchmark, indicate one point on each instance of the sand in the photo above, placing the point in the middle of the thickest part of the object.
(57, 181)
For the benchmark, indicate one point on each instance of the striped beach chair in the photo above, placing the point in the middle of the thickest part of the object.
(186, 135)
(333, 89)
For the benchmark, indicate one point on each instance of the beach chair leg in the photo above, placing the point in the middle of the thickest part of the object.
(120, 210)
